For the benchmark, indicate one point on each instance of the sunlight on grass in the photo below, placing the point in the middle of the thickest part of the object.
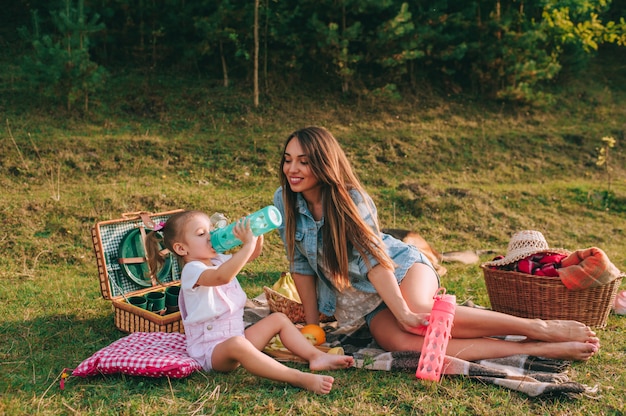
(464, 176)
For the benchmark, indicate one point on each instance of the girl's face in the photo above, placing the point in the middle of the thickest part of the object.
(297, 169)
(196, 244)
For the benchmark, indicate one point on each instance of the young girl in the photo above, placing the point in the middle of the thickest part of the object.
(343, 265)
(212, 303)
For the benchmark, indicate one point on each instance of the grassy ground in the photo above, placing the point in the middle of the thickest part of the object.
(463, 174)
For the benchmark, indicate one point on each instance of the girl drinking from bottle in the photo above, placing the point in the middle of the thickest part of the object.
(212, 303)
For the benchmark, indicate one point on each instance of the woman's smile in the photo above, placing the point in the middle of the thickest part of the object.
(297, 169)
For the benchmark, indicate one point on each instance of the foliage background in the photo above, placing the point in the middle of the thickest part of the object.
(504, 49)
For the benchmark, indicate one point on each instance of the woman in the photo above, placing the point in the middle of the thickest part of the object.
(344, 266)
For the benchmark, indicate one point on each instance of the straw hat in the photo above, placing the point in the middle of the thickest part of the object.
(524, 244)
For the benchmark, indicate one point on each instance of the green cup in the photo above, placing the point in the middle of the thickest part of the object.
(155, 301)
(171, 298)
(138, 301)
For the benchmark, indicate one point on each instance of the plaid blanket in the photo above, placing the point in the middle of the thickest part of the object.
(533, 376)
(587, 268)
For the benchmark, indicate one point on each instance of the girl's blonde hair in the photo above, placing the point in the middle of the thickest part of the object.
(171, 233)
(344, 227)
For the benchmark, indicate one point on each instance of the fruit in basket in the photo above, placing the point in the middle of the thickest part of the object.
(287, 287)
(276, 344)
(314, 333)
(336, 351)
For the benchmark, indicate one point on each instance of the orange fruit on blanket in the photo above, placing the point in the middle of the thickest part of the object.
(316, 331)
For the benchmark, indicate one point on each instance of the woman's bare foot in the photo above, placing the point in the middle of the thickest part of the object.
(316, 383)
(562, 331)
(325, 361)
(573, 350)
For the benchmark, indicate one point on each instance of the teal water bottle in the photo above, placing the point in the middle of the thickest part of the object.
(262, 221)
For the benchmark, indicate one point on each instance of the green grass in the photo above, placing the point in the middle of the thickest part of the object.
(466, 175)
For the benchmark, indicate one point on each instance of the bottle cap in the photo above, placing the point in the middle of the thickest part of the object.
(447, 305)
(444, 302)
(274, 215)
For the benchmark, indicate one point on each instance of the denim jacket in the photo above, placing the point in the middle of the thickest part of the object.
(309, 237)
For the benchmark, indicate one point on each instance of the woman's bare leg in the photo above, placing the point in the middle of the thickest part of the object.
(420, 284)
(391, 337)
(570, 340)
(473, 322)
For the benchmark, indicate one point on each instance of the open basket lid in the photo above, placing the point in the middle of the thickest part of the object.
(132, 258)
(120, 253)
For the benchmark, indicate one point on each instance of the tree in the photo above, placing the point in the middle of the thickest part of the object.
(397, 44)
(504, 49)
(221, 25)
(60, 65)
(256, 53)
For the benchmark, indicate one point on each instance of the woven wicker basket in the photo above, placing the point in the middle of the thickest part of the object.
(130, 318)
(107, 236)
(294, 310)
(531, 296)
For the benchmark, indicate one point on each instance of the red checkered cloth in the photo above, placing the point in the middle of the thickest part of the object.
(148, 354)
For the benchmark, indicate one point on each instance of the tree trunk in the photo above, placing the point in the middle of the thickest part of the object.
(256, 53)
(265, 57)
(224, 67)
(345, 87)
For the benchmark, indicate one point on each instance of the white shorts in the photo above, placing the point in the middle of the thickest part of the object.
(202, 338)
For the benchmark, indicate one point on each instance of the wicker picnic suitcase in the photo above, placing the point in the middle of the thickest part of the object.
(123, 271)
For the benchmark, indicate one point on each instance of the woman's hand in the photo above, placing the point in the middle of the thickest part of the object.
(387, 287)
(415, 323)
(306, 286)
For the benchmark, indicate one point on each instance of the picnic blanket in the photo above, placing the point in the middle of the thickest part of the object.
(533, 376)
(587, 268)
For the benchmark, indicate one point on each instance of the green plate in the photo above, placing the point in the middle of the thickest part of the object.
(132, 247)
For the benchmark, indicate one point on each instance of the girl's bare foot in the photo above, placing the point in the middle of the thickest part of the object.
(573, 350)
(325, 361)
(316, 383)
(563, 331)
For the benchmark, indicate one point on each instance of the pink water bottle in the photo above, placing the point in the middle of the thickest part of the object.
(437, 336)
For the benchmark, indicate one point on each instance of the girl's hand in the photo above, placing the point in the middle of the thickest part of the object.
(243, 232)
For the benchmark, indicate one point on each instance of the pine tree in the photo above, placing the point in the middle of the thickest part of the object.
(60, 65)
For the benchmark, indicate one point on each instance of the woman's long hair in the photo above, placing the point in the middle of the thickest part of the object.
(344, 227)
